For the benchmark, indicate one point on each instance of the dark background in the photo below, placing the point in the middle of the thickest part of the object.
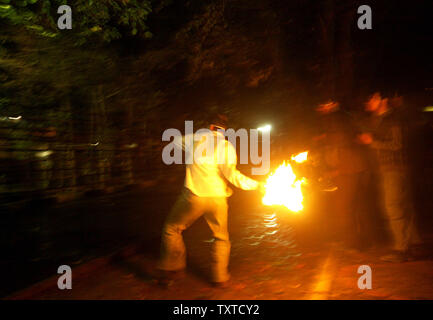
(99, 107)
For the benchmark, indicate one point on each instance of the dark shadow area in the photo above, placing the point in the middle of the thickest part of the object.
(83, 113)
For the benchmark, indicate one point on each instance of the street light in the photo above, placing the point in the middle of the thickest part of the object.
(265, 128)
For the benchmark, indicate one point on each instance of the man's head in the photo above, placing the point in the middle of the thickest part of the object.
(328, 107)
(377, 105)
(218, 121)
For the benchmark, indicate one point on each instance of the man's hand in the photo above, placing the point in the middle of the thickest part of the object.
(261, 187)
(365, 138)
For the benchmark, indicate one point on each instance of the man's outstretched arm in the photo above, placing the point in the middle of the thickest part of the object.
(228, 169)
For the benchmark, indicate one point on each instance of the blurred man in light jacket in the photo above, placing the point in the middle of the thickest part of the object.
(205, 194)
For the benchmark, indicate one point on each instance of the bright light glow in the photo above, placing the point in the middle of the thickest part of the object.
(265, 128)
(283, 188)
(131, 146)
(10, 118)
(301, 157)
(43, 154)
(428, 109)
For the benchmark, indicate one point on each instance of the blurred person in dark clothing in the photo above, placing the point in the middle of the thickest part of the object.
(390, 142)
(345, 164)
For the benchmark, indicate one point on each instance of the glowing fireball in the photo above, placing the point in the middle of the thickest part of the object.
(283, 187)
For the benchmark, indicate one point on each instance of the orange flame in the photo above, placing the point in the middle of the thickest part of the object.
(301, 157)
(283, 187)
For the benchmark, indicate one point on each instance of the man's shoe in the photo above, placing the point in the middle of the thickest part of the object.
(396, 257)
(167, 278)
(165, 283)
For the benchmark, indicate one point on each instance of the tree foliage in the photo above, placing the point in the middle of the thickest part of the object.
(40, 64)
(101, 20)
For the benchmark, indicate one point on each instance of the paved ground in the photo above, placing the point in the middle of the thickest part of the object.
(268, 267)
(275, 255)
